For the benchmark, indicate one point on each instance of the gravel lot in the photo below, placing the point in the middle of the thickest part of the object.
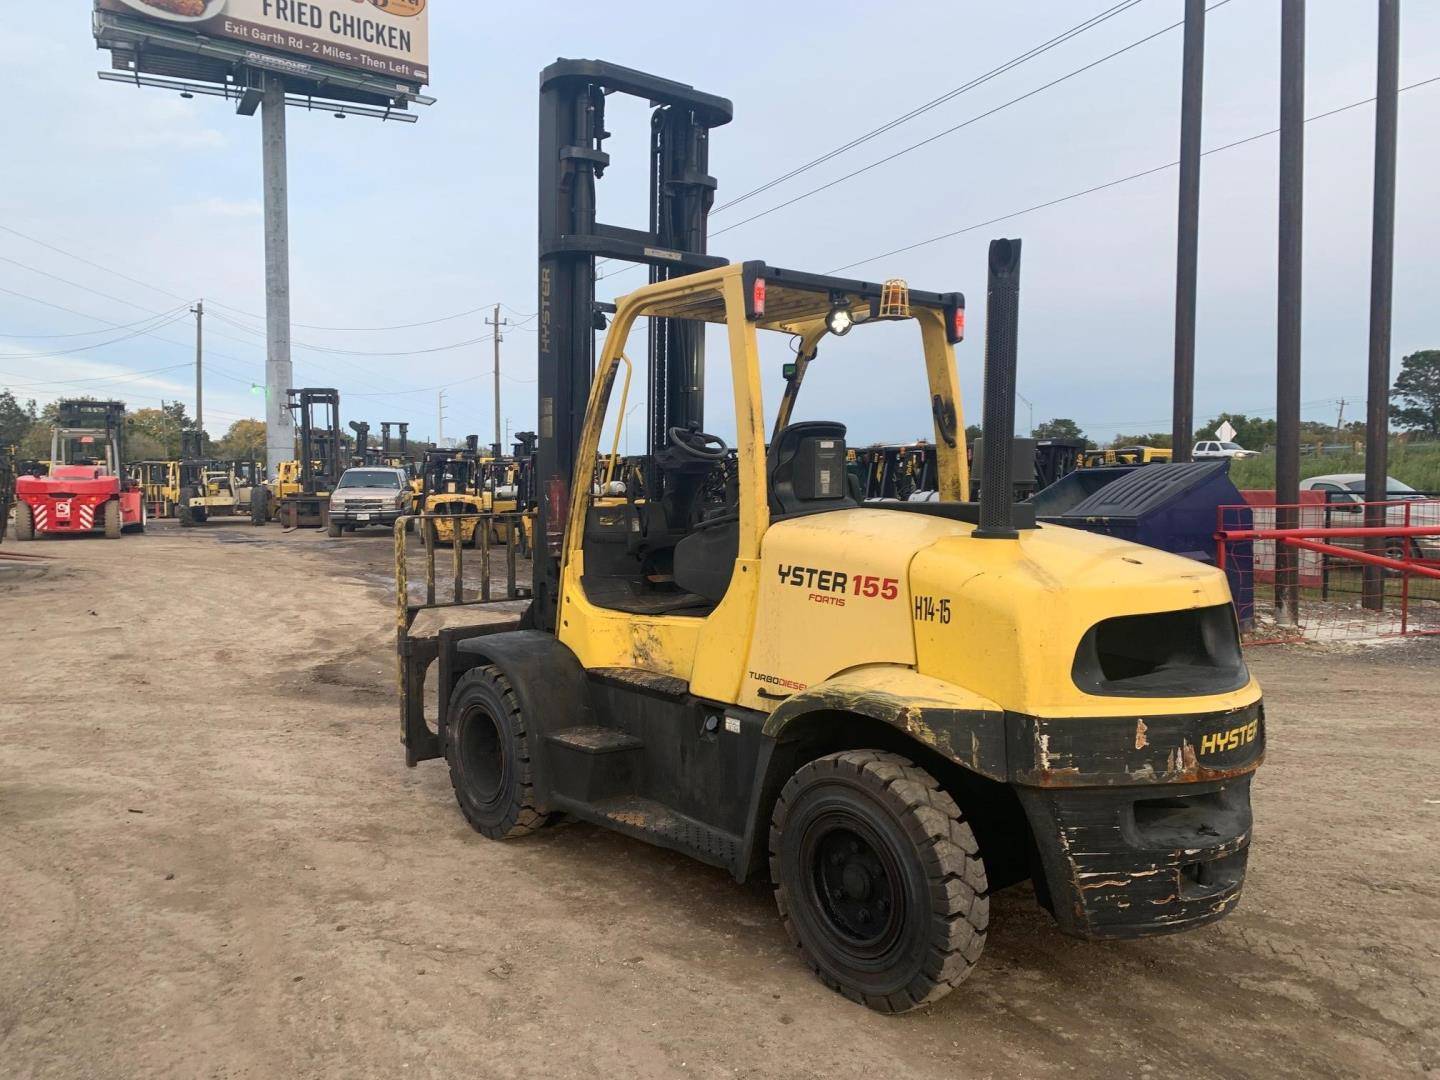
(215, 864)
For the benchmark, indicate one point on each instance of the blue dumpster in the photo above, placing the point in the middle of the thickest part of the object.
(1173, 508)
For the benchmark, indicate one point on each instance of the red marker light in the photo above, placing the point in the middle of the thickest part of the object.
(959, 327)
(758, 297)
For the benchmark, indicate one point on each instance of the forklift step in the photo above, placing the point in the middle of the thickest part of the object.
(645, 681)
(592, 763)
(660, 825)
(595, 740)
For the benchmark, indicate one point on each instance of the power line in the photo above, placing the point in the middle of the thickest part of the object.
(152, 324)
(1113, 183)
(979, 80)
(963, 124)
(360, 352)
(365, 329)
(129, 375)
(97, 266)
(176, 296)
(81, 333)
(904, 118)
(139, 307)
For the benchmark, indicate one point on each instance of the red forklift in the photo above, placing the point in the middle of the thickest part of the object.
(86, 490)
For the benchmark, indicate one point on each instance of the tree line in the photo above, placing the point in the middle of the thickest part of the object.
(1414, 413)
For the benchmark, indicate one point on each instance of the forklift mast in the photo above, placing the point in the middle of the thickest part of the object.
(362, 442)
(402, 450)
(192, 445)
(572, 159)
(317, 443)
(77, 419)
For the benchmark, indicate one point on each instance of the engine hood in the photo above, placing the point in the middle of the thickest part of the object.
(1003, 619)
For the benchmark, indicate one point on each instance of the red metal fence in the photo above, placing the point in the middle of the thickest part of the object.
(1357, 571)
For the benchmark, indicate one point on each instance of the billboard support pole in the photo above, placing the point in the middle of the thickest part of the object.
(1382, 281)
(279, 372)
(1188, 232)
(1292, 220)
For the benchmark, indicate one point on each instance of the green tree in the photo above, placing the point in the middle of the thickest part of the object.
(245, 441)
(1418, 390)
(16, 420)
(154, 434)
(973, 432)
(1161, 439)
(1059, 428)
(1251, 432)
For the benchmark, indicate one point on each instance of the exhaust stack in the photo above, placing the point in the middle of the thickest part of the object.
(1002, 335)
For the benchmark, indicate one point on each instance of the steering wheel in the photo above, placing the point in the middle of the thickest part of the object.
(697, 445)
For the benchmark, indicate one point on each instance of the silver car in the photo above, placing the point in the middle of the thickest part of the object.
(369, 496)
(1344, 490)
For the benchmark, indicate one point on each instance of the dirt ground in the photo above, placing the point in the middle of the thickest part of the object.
(215, 864)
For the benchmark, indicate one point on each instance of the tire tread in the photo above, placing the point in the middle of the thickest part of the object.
(960, 906)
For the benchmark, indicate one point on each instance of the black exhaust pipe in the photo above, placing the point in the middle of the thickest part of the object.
(1002, 337)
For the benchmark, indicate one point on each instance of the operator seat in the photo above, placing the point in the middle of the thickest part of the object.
(807, 474)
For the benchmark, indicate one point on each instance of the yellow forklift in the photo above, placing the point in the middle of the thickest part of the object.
(451, 482)
(891, 709)
(216, 494)
(160, 484)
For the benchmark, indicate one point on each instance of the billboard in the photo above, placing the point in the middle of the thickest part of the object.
(388, 38)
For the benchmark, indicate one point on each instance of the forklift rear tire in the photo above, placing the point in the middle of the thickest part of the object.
(24, 522)
(112, 520)
(187, 518)
(488, 750)
(878, 879)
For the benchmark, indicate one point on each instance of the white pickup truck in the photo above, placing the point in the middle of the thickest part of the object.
(1214, 448)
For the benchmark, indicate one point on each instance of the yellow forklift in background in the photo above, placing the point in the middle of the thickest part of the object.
(451, 483)
(892, 709)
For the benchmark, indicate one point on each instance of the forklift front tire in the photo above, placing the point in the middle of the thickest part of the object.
(335, 531)
(488, 750)
(112, 520)
(878, 879)
(24, 522)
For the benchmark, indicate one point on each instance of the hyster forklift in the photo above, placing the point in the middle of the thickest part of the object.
(893, 709)
(450, 485)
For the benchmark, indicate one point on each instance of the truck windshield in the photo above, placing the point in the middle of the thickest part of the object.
(369, 478)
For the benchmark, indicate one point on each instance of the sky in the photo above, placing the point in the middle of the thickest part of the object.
(400, 224)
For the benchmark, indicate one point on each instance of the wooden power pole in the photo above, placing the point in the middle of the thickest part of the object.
(495, 323)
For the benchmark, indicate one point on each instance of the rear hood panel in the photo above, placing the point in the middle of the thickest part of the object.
(1000, 618)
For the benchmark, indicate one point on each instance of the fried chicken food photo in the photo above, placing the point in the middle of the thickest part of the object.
(179, 7)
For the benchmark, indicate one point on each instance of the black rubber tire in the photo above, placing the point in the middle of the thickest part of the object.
(259, 506)
(926, 857)
(187, 518)
(112, 520)
(335, 531)
(24, 522)
(488, 750)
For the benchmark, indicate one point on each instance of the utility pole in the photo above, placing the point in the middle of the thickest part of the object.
(279, 371)
(1382, 281)
(1340, 421)
(495, 324)
(1192, 81)
(1031, 406)
(199, 312)
(440, 420)
(1287, 342)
